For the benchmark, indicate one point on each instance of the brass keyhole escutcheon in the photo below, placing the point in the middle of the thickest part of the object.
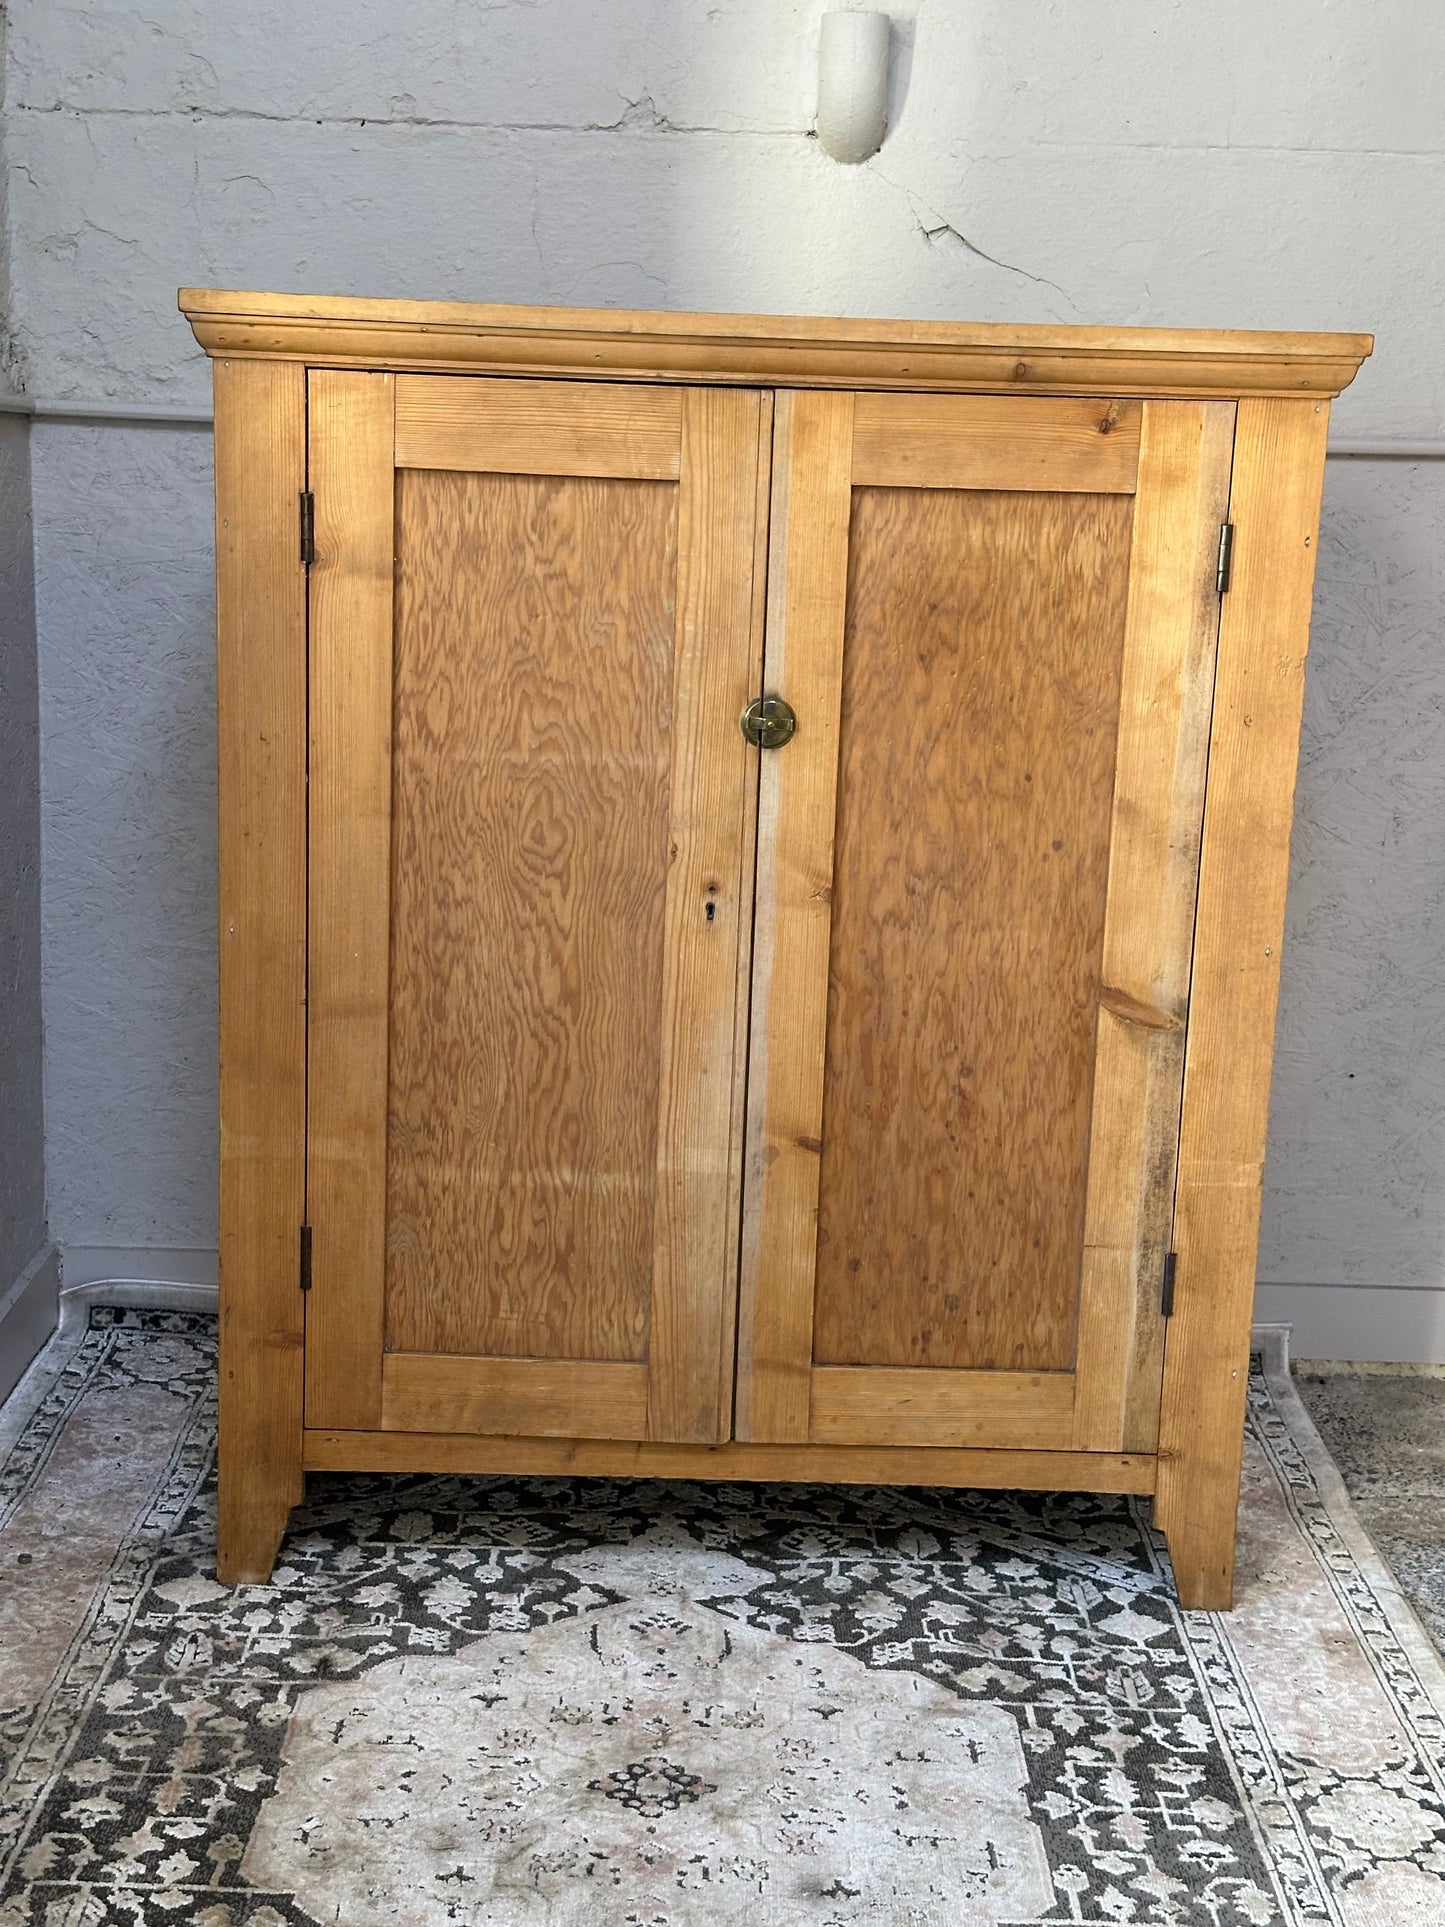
(768, 722)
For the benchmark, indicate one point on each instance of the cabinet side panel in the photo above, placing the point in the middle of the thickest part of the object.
(980, 702)
(1254, 742)
(261, 694)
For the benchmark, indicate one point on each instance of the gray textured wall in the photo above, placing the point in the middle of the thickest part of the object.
(126, 613)
(1142, 163)
(1355, 1177)
(24, 1242)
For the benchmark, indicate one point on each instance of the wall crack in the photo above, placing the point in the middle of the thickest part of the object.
(638, 116)
(937, 229)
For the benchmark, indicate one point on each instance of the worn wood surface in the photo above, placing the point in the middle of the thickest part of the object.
(980, 698)
(1134, 992)
(539, 427)
(534, 716)
(797, 351)
(261, 699)
(1259, 685)
(995, 442)
(1168, 685)
(350, 801)
(330, 1451)
(879, 1405)
(708, 912)
(807, 578)
(541, 1397)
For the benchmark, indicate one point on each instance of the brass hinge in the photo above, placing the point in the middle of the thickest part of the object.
(1166, 1296)
(1226, 557)
(308, 527)
(306, 1257)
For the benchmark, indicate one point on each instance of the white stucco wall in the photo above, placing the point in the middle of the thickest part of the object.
(1140, 163)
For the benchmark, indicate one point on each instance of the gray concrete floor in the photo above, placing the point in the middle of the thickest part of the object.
(1386, 1433)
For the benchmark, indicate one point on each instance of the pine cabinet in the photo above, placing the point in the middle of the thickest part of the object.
(875, 1092)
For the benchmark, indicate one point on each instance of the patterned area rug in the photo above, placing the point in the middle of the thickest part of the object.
(1385, 1429)
(553, 1702)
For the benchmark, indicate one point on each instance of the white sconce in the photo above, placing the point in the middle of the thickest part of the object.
(853, 84)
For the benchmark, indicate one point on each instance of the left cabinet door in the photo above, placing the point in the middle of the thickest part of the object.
(535, 616)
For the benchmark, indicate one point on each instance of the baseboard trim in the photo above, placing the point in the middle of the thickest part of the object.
(130, 1294)
(139, 1265)
(136, 1278)
(29, 1313)
(1272, 1342)
(1377, 1324)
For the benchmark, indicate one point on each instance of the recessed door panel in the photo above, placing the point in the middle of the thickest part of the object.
(529, 823)
(981, 663)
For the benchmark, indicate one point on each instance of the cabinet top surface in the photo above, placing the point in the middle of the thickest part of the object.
(797, 351)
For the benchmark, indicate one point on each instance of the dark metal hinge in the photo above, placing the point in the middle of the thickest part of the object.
(308, 527)
(1226, 556)
(306, 1257)
(1166, 1296)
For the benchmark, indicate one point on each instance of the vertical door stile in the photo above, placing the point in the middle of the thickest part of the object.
(803, 661)
(352, 480)
(693, 1298)
(1171, 632)
(748, 863)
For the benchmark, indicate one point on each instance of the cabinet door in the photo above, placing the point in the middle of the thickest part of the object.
(532, 630)
(996, 619)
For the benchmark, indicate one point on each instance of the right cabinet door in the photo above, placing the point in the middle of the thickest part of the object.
(996, 619)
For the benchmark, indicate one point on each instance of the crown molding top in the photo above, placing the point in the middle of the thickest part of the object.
(963, 357)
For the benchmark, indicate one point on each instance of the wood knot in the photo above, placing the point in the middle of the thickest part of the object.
(1134, 1010)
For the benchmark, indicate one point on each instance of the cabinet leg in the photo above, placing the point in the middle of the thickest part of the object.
(251, 1518)
(1201, 1541)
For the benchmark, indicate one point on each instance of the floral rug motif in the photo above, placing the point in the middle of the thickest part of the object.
(558, 1702)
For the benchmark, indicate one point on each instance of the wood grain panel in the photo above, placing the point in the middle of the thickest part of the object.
(534, 705)
(351, 581)
(649, 1459)
(261, 698)
(708, 909)
(995, 442)
(878, 1406)
(980, 703)
(538, 427)
(1279, 454)
(1168, 686)
(540, 1397)
(807, 576)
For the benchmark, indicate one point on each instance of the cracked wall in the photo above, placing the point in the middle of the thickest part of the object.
(1143, 163)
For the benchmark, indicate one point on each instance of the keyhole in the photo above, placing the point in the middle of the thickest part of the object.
(711, 911)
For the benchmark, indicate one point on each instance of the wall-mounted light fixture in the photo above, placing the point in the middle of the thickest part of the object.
(852, 84)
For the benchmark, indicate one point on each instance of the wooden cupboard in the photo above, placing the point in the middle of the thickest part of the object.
(605, 1091)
